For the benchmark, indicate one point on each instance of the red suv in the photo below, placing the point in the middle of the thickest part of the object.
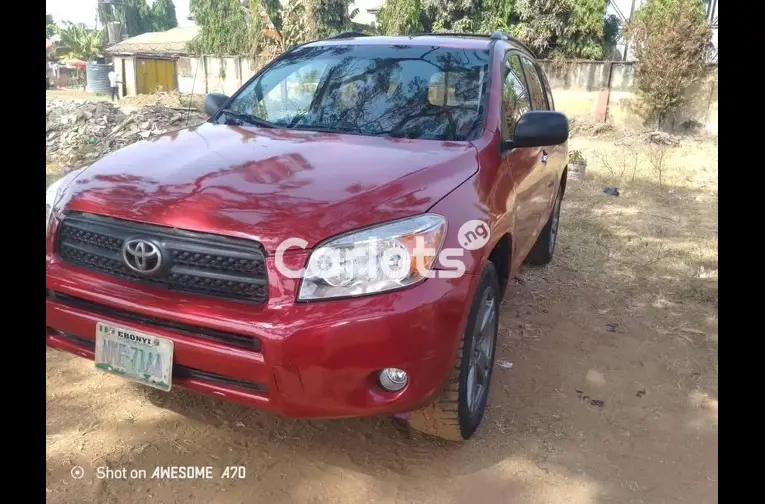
(335, 241)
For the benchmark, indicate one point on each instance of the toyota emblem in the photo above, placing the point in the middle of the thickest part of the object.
(142, 256)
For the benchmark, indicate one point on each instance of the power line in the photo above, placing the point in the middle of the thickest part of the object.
(618, 11)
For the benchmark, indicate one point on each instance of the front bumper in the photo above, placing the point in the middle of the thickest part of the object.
(301, 360)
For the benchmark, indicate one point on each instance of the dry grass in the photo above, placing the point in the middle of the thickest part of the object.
(624, 314)
(74, 94)
(169, 99)
(658, 239)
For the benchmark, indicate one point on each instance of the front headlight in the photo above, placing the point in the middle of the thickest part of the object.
(377, 259)
(53, 192)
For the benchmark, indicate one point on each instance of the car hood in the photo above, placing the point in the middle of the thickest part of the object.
(270, 184)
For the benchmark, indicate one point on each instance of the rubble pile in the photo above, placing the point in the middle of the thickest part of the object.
(78, 132)
(662, 138)
(584, 127)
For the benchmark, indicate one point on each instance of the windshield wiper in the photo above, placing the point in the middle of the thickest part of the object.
(251, 119)
(325, 129)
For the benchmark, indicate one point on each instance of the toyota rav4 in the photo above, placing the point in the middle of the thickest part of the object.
(335, 241)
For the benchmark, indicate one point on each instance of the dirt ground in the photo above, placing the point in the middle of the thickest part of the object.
(169, 99)
(611, 395)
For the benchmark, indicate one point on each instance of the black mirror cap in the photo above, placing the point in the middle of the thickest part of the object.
(213, 102)
(538, 128)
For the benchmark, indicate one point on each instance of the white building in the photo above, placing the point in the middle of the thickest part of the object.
(368, 10)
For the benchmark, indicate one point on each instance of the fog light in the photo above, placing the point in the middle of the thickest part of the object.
(393, 379)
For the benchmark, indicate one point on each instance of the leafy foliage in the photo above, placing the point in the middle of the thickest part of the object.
(671, 42)
(223, 27)
(454, 15)
(274, 29)
(566, 28)
(163, 15)
(265, 28)
(50, 26)
(138, 17)
(400, 17)
(571, 28)
(611, 30)
(80, 42)
(300, 23)
(498, 15)
(331, 16)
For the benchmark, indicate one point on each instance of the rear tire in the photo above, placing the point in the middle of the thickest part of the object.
(542, 252)
(458, 411)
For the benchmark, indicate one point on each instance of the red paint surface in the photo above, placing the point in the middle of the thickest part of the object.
(318, 359)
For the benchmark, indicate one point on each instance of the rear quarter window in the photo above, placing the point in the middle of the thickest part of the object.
(548, 90)
(538, 98)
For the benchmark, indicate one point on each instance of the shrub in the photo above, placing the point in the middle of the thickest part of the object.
(671, 40)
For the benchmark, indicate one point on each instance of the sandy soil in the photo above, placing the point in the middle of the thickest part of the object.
(611, 396)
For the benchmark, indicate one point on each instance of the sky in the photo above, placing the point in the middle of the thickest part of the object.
(84, 11)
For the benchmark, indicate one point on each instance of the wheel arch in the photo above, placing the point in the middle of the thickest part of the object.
(501, 257)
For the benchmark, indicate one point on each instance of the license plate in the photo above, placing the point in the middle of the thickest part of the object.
(144, 358)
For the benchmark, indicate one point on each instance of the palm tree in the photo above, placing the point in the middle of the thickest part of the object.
(80, 42)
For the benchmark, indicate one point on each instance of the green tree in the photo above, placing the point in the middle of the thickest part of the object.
(224, 27)
(564, 28)
(499, 15)
(453, 15)
(400, 17)
(298, 25)
(138, 17)
(50, 26)
(584, 35)
(671, 40)
(163, 15)
(80, 42)
(276, 27)
(332, 16)
(611, 30)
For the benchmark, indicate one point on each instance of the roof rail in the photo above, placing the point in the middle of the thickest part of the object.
(497, 35)
(451, 34)
(345, 35)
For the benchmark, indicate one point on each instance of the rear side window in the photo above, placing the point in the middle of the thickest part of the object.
(538, 99)
(515, 95)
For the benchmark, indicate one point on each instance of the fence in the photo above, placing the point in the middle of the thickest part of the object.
(605, 91)
(214, 74)
(599, 90)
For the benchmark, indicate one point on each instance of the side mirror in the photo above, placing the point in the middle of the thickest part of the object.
(213, 102)
(538, 128)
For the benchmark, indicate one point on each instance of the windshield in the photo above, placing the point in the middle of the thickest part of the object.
(401, 91)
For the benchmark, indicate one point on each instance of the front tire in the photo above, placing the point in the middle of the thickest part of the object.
(458, 411)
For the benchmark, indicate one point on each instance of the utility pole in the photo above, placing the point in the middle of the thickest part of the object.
(627, 42)
(113, 14)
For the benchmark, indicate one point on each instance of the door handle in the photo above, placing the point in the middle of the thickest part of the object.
(545, 156)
